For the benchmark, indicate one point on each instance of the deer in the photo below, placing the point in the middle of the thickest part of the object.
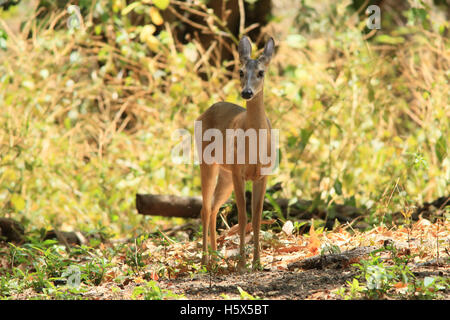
(219, 178)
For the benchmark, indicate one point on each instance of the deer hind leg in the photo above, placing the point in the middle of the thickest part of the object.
(239, 192)
(222, 192)
(258, 192)
(208, 181)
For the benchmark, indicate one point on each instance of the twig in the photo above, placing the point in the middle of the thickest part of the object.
(61, 239)
(205, 55)
(190, 22)
(336, 260)
(166, 237)
(241, 18)
(250, 28)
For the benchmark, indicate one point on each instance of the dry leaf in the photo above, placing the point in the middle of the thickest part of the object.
(290, 249)
(400, 285)
(234, 229)
(314, 242)
(138, 280)
(147, 36)
(288, 227)
(156, 16)
(154, 276)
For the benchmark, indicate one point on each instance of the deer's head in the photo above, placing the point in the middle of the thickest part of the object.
(253, 70)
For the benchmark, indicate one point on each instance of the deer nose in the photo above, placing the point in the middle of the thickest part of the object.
(247, 93)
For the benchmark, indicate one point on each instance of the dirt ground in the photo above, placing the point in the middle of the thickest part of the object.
(274, 285)
(281, 278)
(265, 285)
(277, 285)
(279, 281)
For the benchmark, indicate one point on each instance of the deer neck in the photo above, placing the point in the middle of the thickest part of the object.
(256, 116)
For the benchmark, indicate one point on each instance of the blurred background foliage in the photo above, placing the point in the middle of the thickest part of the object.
(91, 93)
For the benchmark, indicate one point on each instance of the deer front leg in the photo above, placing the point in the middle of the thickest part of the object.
(208, 179)
(258, 192)
(239, 192)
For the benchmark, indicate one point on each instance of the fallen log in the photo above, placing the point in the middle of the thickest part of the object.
(168, 205)
(431, 207)
(11, 230)
(189, 207)
(66, 238)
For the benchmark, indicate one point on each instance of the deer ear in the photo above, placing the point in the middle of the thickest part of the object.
(268, 52)
(244, 49)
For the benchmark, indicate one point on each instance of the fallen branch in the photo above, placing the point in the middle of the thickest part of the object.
(332, 260)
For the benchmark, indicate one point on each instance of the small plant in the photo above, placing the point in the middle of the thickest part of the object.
(134, 256)
(151, 291)
(93, 271)
(298, 225)
(328, 248)
(394, 280)
(355, 289)
(245, 295)
(377, 277)
(429, 287)
(12, 283)
(406, 213)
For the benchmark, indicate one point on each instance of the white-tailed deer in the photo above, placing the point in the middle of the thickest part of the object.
(230, 171)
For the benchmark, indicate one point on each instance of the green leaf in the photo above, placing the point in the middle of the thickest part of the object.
(245, 295)
(441, 148)
(276, 207)
(296, 41)
(305, 134)
(419, 13)
(338, 187)
(161, 4)
(98, 29)
(3, 44)
(18, 202)
(130, 7)
(371, 92)
(384, 38)
(292, 201)
(3, 38)
(428, 281)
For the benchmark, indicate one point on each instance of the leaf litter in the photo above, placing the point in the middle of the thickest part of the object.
(423, 241)
(175, 265)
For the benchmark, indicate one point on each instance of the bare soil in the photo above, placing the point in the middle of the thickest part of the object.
(277, 285)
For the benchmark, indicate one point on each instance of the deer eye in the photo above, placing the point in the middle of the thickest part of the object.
(260, 74)
(241, 73)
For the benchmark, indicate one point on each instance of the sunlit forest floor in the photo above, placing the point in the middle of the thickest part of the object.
(409, 262)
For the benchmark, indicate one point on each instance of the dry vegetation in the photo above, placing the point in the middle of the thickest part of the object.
(88, 112)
